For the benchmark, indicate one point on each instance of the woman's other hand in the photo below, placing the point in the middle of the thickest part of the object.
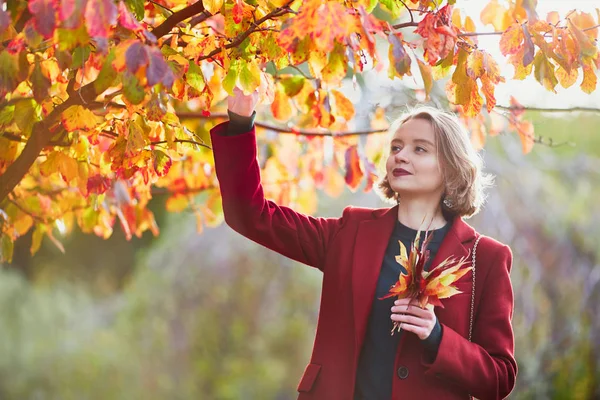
(413, 318)
(242, 104)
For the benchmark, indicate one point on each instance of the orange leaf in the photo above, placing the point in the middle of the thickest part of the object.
(354, 172)
(590, 79)
(281, 107)
(525, 131)
(342, 106)
(512, 40)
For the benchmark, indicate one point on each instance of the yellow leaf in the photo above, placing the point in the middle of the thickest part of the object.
(521, 71)
(61, 163)
(342, 106)
(475, 67)
(78, 118)
(317, 60)
(177, 203)
(426, 75)
(336, 67)
(497, 15)
(469, 24)
(567, 79)
(590, 79)
(544, 71)
(213, 6)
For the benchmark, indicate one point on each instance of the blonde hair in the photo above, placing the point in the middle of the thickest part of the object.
(461, 165)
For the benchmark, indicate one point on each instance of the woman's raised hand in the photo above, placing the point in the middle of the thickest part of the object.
(242, 104)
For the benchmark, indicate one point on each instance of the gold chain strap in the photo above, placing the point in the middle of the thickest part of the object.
(473, 289)
(473, 292)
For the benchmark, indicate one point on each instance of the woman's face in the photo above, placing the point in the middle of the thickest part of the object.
(412, 167)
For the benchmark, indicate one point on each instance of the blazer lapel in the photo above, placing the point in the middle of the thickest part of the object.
(369, 249)
(453, 243)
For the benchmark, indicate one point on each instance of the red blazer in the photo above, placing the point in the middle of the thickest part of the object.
(349, 250)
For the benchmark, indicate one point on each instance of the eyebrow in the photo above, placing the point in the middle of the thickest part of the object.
(417, 141)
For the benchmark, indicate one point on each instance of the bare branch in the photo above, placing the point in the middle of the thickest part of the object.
(181, 15)
(571, 109)
(412, 18)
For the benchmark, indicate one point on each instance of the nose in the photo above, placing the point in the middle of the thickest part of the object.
(401, 156)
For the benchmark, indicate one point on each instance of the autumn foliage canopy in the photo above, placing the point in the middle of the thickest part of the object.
(107, 103)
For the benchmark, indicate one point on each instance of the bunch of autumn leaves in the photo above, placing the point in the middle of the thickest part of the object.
(425, 287)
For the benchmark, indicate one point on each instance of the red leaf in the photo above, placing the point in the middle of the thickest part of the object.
(136, 56)
(162, 162)
(354, 173)
(100, 15)
(98, 184)
(238, 11)
(44, 13)
(127, 20)
(71, 13)
(158, 70)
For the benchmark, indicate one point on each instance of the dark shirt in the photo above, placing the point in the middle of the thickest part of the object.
(375, 371)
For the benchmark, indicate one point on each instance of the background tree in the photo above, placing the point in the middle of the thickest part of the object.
(95, 95)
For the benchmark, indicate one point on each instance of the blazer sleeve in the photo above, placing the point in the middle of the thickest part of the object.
(486, 367)
(292, 234)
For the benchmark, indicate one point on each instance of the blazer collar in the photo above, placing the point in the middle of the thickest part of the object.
(371, 242)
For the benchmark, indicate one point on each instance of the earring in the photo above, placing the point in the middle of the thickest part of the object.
(448, 203)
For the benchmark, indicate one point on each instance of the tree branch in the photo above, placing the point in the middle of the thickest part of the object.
(278, 12)
(571, 109)
(181, 15)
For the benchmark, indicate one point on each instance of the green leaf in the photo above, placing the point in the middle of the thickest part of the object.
(137, 7)
(231, 77)
(39, 83)
(213, 6)
(25, 116)
(249, 77)
(393, 6)
(8, 72)
(68, 39)
(107, 74)
(292, 85)
(36, 238)
(195, 77)
(8, 245)
(80, 56)
(6, 115)
(133, 91)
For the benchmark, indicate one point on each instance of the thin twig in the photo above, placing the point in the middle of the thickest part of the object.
(412, 18)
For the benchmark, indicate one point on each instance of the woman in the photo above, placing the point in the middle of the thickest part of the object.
(431, 172)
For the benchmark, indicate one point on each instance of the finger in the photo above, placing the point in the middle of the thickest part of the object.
(409, 319)
(417, 330)
(414, 310)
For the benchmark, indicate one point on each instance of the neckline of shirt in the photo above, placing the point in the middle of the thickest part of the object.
(402, 231)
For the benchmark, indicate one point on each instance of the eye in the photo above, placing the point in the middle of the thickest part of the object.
(420, 149)
(395, 148)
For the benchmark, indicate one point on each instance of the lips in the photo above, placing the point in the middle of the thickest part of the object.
(400, 172)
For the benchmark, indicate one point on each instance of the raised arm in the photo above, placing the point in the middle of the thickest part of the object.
(298, 236)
